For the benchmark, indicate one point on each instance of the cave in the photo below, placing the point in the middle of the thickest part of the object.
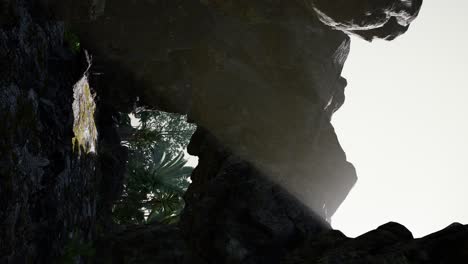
(259, 80)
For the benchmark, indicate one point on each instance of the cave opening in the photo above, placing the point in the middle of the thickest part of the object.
(262, 80)
(404, 126)
(158, 167)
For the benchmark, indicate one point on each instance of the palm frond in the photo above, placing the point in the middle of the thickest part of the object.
(158, 174)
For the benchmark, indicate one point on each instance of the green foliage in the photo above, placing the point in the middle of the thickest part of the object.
(168, 129)
(157, 174)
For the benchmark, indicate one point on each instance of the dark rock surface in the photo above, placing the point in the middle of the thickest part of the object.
(384, 19)
(390, 243)
(261, 79)
(259, 220)
(49, 192)
(145, 244)
(265, 84)
(217, 62)
(140, 47)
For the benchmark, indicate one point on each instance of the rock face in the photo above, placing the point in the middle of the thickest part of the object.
(140, 47)
(49, 193)
(390, 243)
(260, 220)
(261, 79)
(384, 19)
(265, 84)
(153, 243)
(264, 77)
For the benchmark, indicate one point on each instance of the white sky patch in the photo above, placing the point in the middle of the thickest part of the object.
(134, 122)
(192, 161)
(404, 125)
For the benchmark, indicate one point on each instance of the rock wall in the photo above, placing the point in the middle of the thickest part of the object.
(264, 77)
(260, 220)
(389, 243)
(384, 19)
(266, 81)
(261, 79)
(50, 189)
(236, 215)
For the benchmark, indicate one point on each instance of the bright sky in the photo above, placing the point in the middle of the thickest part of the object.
(404, 125)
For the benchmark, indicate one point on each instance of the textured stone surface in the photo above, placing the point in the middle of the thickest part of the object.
(390, 243)
(234, 214)
(140, 47)
(385, 19)
(264, 77)
(48, 192)
(145, 244)
(265, 84)
(261, 78)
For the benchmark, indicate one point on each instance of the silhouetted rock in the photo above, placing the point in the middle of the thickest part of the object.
(261, 78)
(49, 188)
(153, 243)
(234, 214)
(390, 243)
(384, 19)
(264, 77)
